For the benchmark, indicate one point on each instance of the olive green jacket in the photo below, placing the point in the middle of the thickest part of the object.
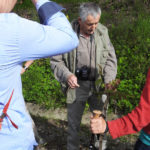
(106, 63)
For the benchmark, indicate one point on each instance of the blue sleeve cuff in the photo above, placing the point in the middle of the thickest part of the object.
(40, 3)
(47, 10)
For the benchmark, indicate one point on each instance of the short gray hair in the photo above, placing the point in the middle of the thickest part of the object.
(89, 8)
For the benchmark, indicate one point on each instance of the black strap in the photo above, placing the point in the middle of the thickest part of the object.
(107, 129)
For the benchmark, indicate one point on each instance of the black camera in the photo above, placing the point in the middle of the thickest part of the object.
(82, 73)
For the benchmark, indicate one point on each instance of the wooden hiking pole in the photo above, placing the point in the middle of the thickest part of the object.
(96, 114)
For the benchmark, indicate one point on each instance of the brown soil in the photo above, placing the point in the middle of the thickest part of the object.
(52, 128)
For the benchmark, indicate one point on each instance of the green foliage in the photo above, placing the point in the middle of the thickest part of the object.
(73, 1)
(132, 43)
(129, 32)
(26, 10)
(128, 22)
(24, 4)
(40, 86)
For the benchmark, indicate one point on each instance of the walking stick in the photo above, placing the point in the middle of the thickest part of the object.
(105, 99)
(96, 140)
(99, 137)
(96, 114)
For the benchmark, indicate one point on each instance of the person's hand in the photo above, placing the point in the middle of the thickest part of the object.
(98, 125)
(22, 70)
(112, 86)
(34, 1)
(72, 81)
(108, 86)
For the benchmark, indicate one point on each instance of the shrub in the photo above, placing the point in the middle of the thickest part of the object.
(129, 28)
(132, 44)
(40, 86)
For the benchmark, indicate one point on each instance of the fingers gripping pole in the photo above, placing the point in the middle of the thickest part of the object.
(97, 114)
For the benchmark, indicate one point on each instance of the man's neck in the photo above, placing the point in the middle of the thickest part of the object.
(84, 34)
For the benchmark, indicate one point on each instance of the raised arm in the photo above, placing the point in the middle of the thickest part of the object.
(53, 38)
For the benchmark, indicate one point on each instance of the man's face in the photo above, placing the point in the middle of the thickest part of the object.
(88, 26)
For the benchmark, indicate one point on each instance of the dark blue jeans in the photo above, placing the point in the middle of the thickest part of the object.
(141, 146)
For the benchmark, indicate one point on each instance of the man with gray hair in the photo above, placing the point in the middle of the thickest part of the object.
(78, 70)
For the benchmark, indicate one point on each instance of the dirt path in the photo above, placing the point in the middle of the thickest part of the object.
(52, 127)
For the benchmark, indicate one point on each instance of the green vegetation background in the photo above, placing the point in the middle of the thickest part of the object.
(128, 22)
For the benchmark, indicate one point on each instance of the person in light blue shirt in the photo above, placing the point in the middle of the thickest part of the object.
(22, 40)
